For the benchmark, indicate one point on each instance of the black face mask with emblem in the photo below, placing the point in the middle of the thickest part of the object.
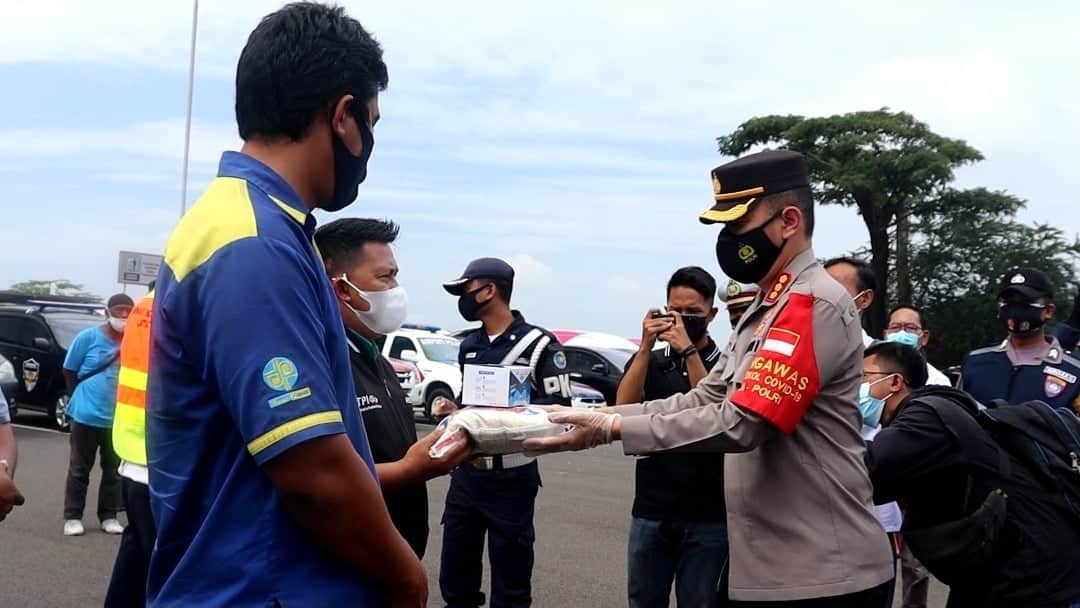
(1020, 318)
(747, 257)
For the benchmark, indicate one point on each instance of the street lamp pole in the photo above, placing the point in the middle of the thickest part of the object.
(190, 98)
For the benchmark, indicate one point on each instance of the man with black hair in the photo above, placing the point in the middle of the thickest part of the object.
(678, 531)
(262, 482)
(908, 325)
(363, 272)
(1029, 364)
(858, 279)
(780, 405)
(496, 495)
(955, 480)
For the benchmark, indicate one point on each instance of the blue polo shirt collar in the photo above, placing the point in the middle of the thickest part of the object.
(242, 166)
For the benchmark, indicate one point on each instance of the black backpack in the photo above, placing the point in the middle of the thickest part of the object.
(1046, 441)
(1032, 510)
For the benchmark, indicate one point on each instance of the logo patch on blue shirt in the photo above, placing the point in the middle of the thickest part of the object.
(280, 374)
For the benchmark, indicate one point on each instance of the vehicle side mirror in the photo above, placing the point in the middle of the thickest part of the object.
(409, 356)
(42, 343)
(599, 368)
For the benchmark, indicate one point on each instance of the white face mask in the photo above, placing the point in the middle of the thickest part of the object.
(856, 300)
(118, 325)
(387, 309)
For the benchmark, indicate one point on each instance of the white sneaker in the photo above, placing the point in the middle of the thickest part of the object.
(112, 526)
(73, 527)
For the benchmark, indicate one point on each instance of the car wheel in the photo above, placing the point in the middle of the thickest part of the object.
(58, 412)
(433, 394)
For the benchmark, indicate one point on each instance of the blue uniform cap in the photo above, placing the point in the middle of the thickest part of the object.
(483, 268)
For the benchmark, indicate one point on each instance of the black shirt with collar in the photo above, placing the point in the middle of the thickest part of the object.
(388, 420)
(678, 486)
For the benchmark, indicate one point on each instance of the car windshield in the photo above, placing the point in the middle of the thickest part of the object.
(66, 327)
(617, 356)
(440, 350)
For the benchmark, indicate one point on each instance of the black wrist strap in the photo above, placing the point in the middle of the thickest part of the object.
(688, 352)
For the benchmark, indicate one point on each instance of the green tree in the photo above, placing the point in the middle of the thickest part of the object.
(885, 164)
(60, 287)
(964, 242)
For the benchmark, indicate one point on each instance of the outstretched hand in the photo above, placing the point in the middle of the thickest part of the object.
(588, 430)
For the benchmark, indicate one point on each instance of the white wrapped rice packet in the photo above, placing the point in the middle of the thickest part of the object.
(494, 430)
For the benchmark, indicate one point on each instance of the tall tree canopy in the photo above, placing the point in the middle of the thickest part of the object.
(883, 163)
(59, 287)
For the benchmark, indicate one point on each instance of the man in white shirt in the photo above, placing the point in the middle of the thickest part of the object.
(907, 325)
(859, 280)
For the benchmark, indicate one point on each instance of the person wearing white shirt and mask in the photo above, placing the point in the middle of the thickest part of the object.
(859, 280)
(907, 325)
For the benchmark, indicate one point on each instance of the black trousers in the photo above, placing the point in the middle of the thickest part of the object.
(127, 589)
(876, 597)
(500, 505)
(86, 442)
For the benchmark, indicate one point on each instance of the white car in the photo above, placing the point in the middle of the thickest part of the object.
(436, 359)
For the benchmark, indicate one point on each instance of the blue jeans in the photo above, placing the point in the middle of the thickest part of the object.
(693, 555)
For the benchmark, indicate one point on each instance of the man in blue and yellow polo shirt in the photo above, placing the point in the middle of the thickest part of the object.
(261, 478)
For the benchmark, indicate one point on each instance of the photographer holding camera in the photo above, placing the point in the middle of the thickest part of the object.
(679, 531)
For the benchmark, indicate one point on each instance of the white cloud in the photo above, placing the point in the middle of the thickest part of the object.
(529, 269)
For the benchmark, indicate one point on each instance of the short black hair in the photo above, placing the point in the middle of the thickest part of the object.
(802, 198)
(864, 273)
(341, 241)
(505, 289)
(696, 278)
(300, 60)
(918, 311)
(903, 359)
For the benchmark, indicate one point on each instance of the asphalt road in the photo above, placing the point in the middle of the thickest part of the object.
(582, 518)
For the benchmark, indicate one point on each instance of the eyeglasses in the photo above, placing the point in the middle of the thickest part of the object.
(870, 373)
(911, 327)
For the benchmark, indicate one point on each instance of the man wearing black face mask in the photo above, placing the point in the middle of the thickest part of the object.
(257, 452)
(678, 532)
(780, 404)
(1028, 365)
(496, 495)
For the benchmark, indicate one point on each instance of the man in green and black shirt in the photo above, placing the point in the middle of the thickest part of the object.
(363, 273)
(679, 527)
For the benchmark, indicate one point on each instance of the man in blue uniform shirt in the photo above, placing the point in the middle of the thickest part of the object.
(1028, 364)
(262, 483)
(497, 495)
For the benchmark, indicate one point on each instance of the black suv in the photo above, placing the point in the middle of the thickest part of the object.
(34, 336)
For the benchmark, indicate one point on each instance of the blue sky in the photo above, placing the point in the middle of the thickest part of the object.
(573, 139)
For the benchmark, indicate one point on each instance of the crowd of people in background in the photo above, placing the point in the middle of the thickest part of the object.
(261, 445)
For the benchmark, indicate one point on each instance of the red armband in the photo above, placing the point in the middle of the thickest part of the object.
(782, 380)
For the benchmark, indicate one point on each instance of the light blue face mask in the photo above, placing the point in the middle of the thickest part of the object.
(870, 407)
(904, 337)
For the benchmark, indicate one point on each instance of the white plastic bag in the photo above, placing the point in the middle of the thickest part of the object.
(495, 430)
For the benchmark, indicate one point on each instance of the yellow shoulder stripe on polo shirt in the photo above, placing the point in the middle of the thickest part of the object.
(299, 216)
(222, 215)
(291, 427)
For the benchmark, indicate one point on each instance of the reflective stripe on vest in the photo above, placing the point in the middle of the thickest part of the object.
(129, 422)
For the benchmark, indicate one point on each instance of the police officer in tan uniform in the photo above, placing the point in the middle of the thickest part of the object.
(781, 403)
